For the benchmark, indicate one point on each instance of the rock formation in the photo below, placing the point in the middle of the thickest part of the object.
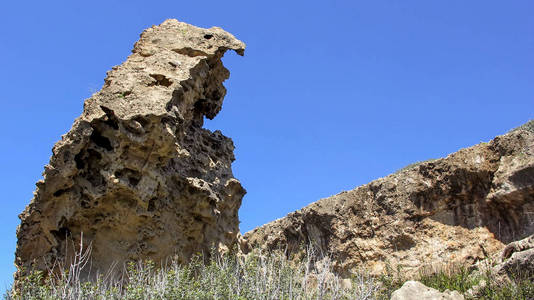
(461, 208)
(517, 258)
(137, 176)
(514, 263)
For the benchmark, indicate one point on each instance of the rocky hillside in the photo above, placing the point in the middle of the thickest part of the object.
(461, 208)
(137, 174)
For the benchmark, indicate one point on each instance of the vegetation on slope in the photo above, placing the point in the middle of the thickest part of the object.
(472, 283)
(528, 126)
(255, 276)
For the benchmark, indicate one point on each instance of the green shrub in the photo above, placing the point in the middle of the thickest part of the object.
(458, 280)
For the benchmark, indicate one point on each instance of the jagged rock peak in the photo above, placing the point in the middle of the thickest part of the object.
(137, 176)
(177, 61)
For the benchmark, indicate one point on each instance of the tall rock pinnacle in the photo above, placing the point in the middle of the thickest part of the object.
(137, 176)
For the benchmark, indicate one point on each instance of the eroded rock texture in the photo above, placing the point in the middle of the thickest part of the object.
(137, 174)
(517, 258)
(461, 208)
(511, 265)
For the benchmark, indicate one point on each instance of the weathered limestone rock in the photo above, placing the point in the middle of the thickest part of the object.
(517, 258)
(459, 209)
(137, 174)
(514, 263)
(414, 290)
(513, 248)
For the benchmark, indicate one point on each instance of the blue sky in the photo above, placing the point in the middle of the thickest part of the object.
(330, 94)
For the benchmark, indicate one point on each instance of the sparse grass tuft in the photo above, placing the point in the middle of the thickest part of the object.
(413, 165)
(528, 126)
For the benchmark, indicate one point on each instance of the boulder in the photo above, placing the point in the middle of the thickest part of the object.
(414, 290)
(137, 177)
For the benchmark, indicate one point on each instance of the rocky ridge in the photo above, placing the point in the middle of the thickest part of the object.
(137, 176)
(458, 209)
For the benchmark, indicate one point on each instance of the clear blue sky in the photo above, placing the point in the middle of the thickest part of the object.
(330, 94)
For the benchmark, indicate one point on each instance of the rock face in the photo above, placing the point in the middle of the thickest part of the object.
(461, 208)
(137, 175)
(414, 290)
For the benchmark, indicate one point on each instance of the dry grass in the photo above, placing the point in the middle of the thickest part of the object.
(255, 276)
